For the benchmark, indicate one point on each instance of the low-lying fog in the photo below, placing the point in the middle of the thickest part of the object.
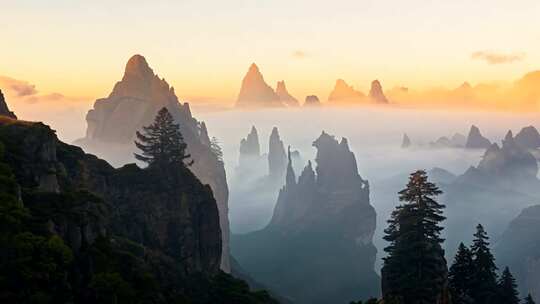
(374, 136)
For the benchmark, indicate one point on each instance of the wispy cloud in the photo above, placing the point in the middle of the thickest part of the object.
(17, 87)
(497, 58)
(299, 54)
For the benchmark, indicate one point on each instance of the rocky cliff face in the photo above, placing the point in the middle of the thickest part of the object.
(528, 138)
(155, 232)
(4, 110)
(343, 93)
(133, 103)
(475, 140)
(255, 92)
(312, 101)
(249, 147)
(494, 191)
(323, 223)
(376, 93)
(519, 249)
(277, 158)
(284, 96)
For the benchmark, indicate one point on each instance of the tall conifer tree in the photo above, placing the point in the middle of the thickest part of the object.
(415, 270)
(460, 276)
(507, 289)
(484, 278)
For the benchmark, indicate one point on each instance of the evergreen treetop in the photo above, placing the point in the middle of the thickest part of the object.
(529, 300)
(460, 275)
(484, 279)
(507, 289)
(162, 142)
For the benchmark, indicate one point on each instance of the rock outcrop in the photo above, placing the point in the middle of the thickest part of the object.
(277, 158)
(4, 109)
(345, 94)
(376, 93)
(504, 182)
(249, 146)
(528, 138)
(475, 140)
(519, 249)
(458, 140)
(312, 101)
(327, 208)
(132, 104)
(284, 96)
(406, 141)
(255, 93)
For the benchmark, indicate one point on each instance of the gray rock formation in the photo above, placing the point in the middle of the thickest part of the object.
(475, 140)
(255, 93)
(324, 210)
(376, 93)
(519, 249)
(345, 94)
(458, 140)
(528, 138)
(4, 109)
(277, 158)
(406, 141)
(284, 96)
(249, 146)
(312, 101)
(133, 103)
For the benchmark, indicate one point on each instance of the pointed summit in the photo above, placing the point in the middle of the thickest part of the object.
(475, 140)
(4, 109)
(312, 101)
(137, 66)
(343, 93)
(376, 93)
(284, 96)
(277, 159)
(255, 92)
(290, 179)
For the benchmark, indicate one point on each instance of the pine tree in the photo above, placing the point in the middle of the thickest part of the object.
(460, 276)
(507, 289)
(161, 142)
(484, 278)
(529, 299)
(415, 269)
(215, 147)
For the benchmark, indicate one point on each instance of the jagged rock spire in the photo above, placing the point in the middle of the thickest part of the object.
(277, 158)
(255, 92)
(290, 179)
(475, 140)
(284, 96)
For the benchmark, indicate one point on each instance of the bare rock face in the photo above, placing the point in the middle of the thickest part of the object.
(4, 110)
(284, 96)
(312, 101)
(475, 140)
(519, 249)
(326, 208)
(255, 92)
(277, 158)
(458, 140)
(406, 142)
(376, 93)
(132, 104)
(343, 93)
(528, 138)
(250, 158)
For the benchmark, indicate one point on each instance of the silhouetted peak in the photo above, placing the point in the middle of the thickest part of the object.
(255, 92)
(344, 144)
(376, 92)
(475, 140)
(4, 109)
(250, 146)
(284, 96)
(508, 138)
(137, 65)
(290, 179)
(345, 93)
(253, 68)
(277, 158)
(528, 138)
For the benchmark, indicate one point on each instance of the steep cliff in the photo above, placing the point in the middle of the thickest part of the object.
(255, 93)
(519, 249)
(4, 110)
(475, 140)
(277, 159)
(528, 137)
(284, 96)
(323, 223)
(105, 234)
(133, 103)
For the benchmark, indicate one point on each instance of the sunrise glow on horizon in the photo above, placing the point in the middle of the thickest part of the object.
(203, 48)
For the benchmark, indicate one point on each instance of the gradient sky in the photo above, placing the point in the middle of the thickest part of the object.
(203, 48)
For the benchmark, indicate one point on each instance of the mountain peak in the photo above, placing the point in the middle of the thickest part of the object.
(137, 65)
(255, 92)
(344, 93)
(376, 92)
(284, 96)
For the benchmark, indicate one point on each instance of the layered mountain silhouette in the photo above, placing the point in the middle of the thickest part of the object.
(322, 222)
(312, 101)
(528, 138)
(284, 96)
(475, 139)
(132, 104)
(345, 94)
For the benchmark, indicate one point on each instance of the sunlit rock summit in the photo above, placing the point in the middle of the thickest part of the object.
(376, 93)
(284, 96)
(255, 92)
(345, 94)
(132, 104)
